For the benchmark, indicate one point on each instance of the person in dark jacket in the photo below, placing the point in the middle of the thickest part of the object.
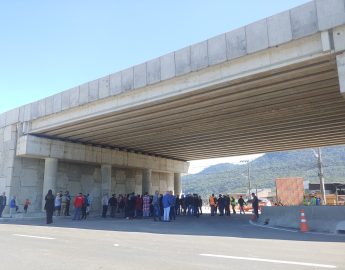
(241, 202)
(255, 205)
(220, 203)
(49, 206)
(195, 205)
(3, 201)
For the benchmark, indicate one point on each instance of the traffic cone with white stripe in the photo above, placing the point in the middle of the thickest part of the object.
(303, 225)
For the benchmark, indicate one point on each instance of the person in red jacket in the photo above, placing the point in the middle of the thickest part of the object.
(78, 203)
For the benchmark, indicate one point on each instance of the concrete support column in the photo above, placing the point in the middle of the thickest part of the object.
(341, 72)
(50, 175)
(146, 183)
(177, 184)
(106, 179)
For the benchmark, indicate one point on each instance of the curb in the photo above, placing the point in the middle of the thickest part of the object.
(292, 230)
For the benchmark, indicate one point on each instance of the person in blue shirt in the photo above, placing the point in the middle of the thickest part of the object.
(13, 206)
(166, 205)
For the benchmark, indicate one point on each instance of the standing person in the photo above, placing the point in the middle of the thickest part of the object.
(26, 205)
(183, 204)
(241, 202)
(13, 206)
(227, 205)
(138, 206)
(49, 206)
(200, 205)
(68, 203)
(146, 205)
(233, 204)
(121, 201)
(178, 205)
(255, 204)
(166, 206)
(78, 204)
(161, 208)
(221, 205)
(189, 202)
(63, 204)
(3, 201)
(156, 208)
(212, 201)
(105, 203)
(58, 204)
(89, 202)
(172, 213)
(195, 203)
(113, 205)
(84, 207)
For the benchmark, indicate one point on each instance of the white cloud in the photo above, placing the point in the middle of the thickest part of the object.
(198, 165)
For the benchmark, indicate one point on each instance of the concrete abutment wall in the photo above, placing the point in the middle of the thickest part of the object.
(26, 174)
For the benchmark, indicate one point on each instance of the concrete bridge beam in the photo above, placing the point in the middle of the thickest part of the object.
(341, 72)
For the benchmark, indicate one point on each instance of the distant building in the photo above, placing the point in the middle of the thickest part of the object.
(330, 188)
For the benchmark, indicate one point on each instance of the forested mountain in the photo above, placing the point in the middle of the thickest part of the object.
(228, 178)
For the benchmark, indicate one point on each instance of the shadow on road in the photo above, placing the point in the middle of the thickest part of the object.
(234, 226)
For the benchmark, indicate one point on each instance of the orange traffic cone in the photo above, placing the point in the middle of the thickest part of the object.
(303, 225)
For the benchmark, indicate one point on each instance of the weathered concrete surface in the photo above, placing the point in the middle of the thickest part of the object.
(35, 147)
(319, 218)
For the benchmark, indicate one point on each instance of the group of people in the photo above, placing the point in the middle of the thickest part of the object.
(12, 204)
(60, 204)
(223, 202)
(161, 207)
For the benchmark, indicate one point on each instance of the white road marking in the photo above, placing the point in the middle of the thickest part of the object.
(269, 260)
(33, 236)
(116, 245)
(270, 227)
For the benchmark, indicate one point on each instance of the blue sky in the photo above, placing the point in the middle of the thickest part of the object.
(50, 46)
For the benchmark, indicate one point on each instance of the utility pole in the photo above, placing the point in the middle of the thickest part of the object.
(248, 176)
(322, 179)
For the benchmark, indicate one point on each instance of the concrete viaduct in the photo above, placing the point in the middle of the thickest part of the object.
(275, 84)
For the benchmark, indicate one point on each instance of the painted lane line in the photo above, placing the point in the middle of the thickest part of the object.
(116, 245)
(33, 236)
(273, 228)
(269, 260)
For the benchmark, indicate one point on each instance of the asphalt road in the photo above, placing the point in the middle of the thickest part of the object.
(187, 243)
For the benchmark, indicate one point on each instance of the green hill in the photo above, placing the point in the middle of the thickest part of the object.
(229, 178)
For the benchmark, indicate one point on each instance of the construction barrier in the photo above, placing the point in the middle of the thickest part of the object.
(320, 218)
(303, 225)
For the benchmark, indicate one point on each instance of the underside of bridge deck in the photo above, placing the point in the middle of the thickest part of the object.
(297, 106)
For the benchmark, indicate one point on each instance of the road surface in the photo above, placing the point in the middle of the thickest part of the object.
(187, 243)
